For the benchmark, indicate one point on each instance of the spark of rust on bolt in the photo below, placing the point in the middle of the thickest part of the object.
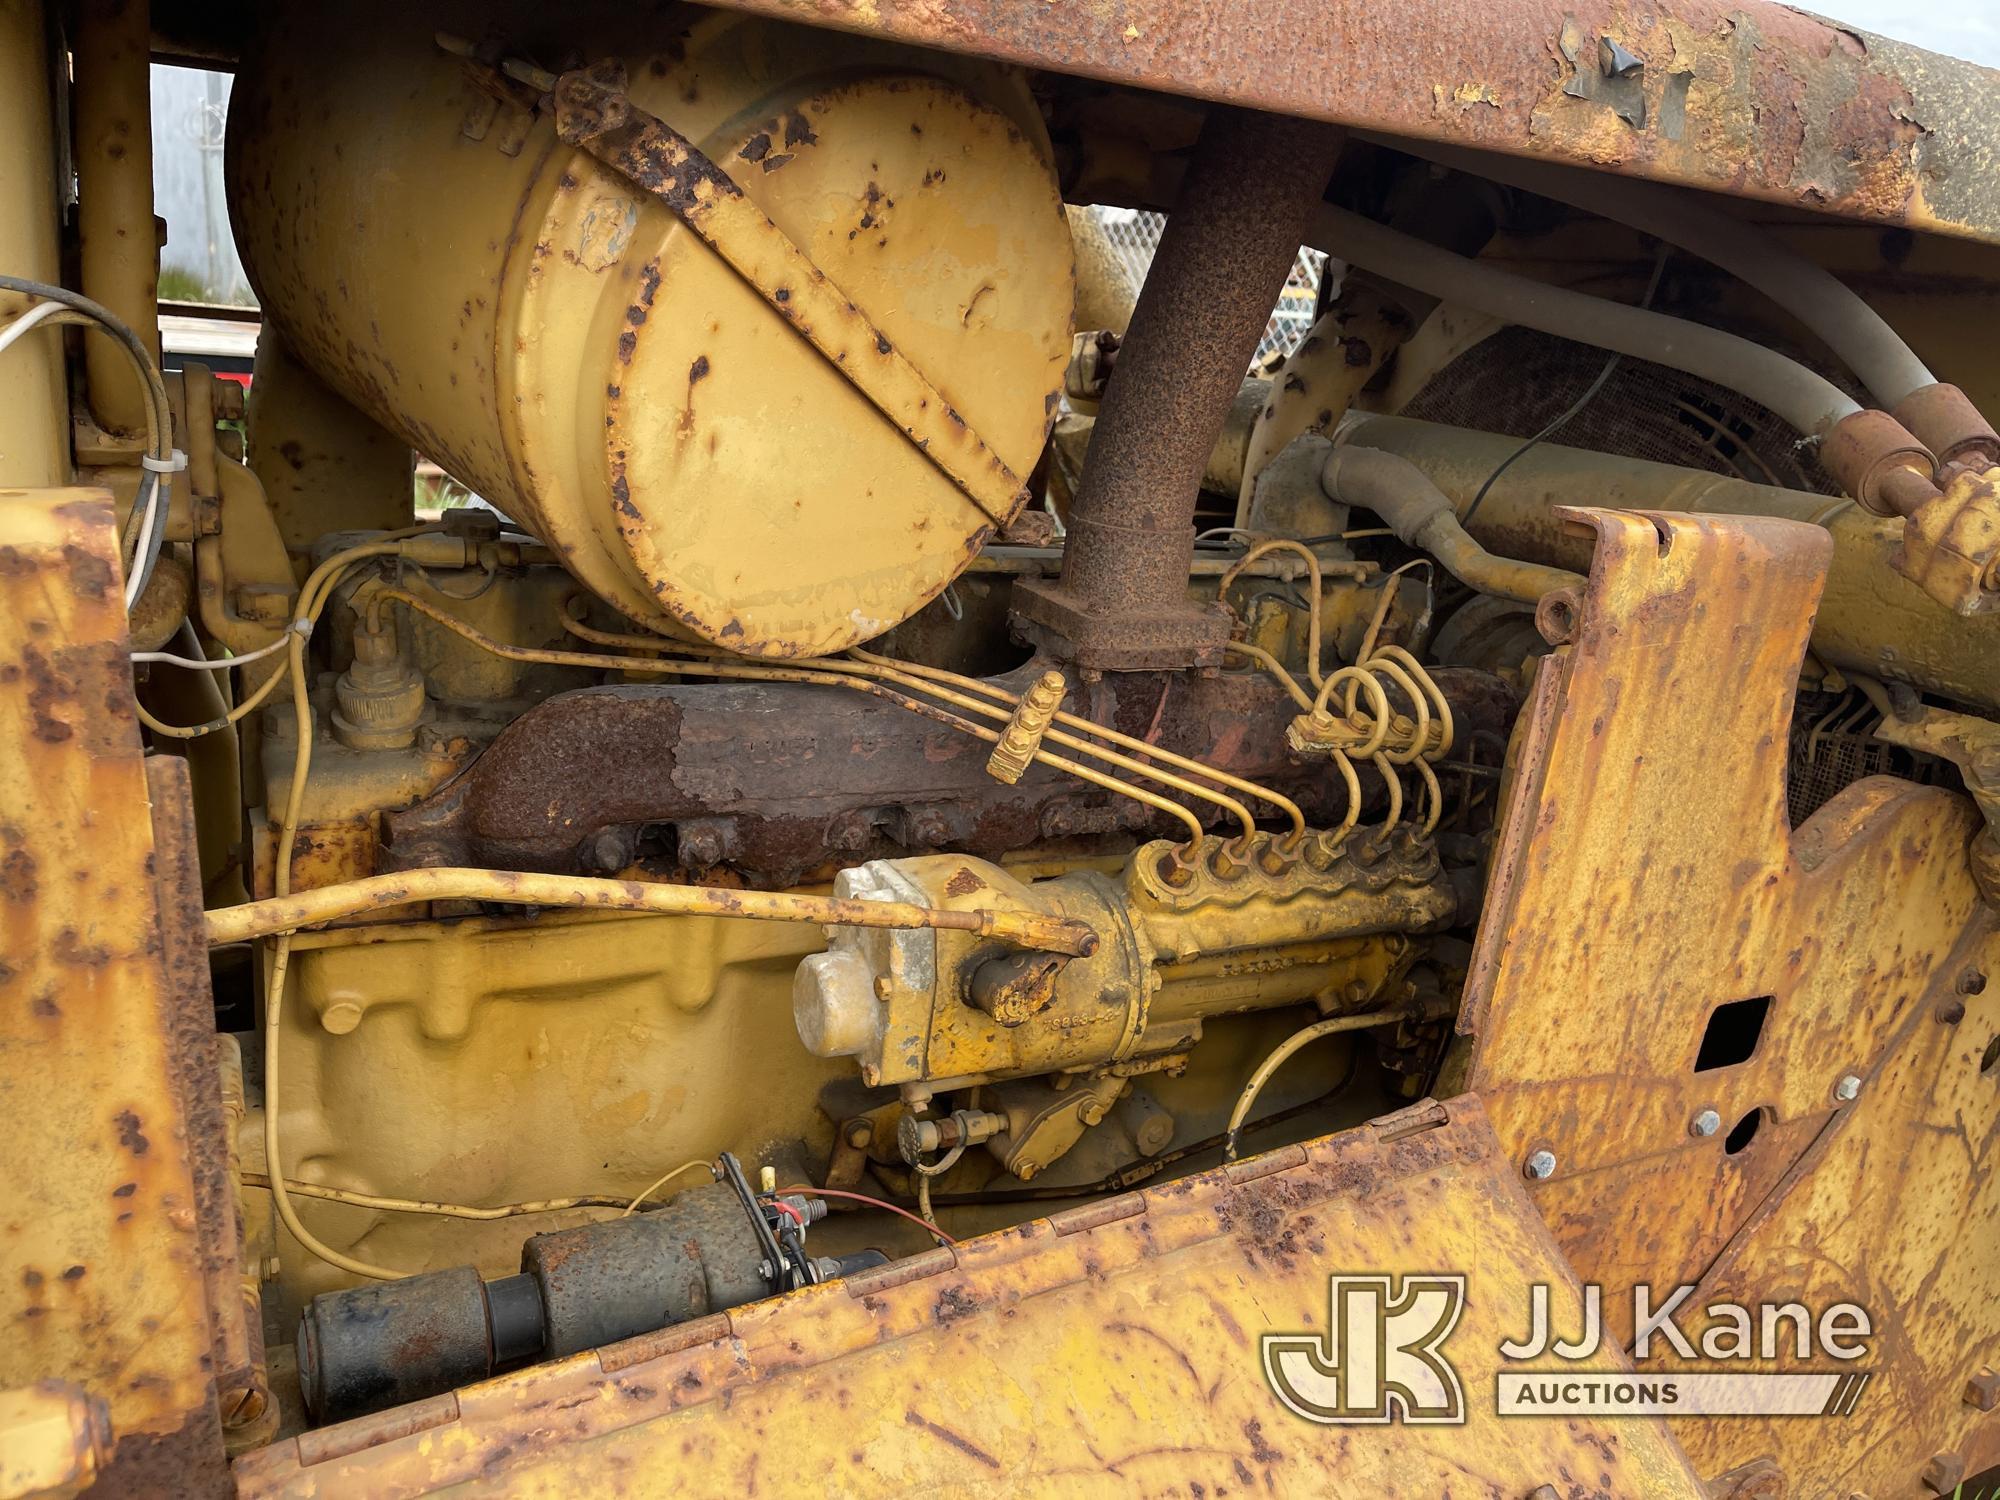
(593, 112)
(255, 919)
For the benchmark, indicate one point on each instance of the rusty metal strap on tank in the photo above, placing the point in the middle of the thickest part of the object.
(255, 919)
(594, 113)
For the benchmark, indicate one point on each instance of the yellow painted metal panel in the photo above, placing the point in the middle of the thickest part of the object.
(101, 1250)
(1114, 1348)
(1646, 875)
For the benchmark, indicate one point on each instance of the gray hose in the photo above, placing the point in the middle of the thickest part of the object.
(1422, 516)
(1855, 332)
(1808, 401)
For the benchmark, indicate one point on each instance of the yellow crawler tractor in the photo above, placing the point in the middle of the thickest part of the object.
(1164, 747)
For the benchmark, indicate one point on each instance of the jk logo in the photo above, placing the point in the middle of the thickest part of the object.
(1380, 1359)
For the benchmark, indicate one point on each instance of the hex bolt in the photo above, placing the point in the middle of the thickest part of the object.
(1227, 861)
(1174, 870)
(700, 847)
(611, 850)
(1982, 1391)
(1848, 1089)
(1943, 1472)
(1541, 1165)
(927, 829)
(1705, 1123)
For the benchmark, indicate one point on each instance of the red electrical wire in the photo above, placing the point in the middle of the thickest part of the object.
(925, 1225)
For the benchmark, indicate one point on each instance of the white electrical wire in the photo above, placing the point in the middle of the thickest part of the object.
(148, 520)
(152, 530)
(220, 663)
(26, 321)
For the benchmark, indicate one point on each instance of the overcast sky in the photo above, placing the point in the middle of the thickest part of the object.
(1962, 28)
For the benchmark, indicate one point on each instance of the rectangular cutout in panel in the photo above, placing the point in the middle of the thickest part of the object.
(1732, 1033)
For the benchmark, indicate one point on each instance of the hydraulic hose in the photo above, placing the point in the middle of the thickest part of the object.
(1807, 400)
(1853, 330)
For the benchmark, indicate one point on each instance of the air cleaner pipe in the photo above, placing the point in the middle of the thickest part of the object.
(1871, 619)
(1853, 330)
(1807, 400)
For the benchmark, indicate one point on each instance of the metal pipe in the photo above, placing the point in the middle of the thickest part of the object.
(1422, 516)
(329, 903)
(114, 177)
(1853, 330)
(1807, 400)
(1282, 1053)
(34, 419)
(1229, 242)
(1871, 619)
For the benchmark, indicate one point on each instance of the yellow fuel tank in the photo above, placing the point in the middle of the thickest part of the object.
(538, 325)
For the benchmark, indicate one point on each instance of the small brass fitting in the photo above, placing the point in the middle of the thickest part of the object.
(1023, 735)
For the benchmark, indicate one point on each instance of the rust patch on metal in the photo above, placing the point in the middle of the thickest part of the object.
(832, 776)
(964, 1445)
(1747, 97)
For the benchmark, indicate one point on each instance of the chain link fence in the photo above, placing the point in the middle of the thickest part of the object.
(1135, 235)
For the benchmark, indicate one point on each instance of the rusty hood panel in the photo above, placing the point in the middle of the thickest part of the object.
(1733, 96)
(1114, 1348)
